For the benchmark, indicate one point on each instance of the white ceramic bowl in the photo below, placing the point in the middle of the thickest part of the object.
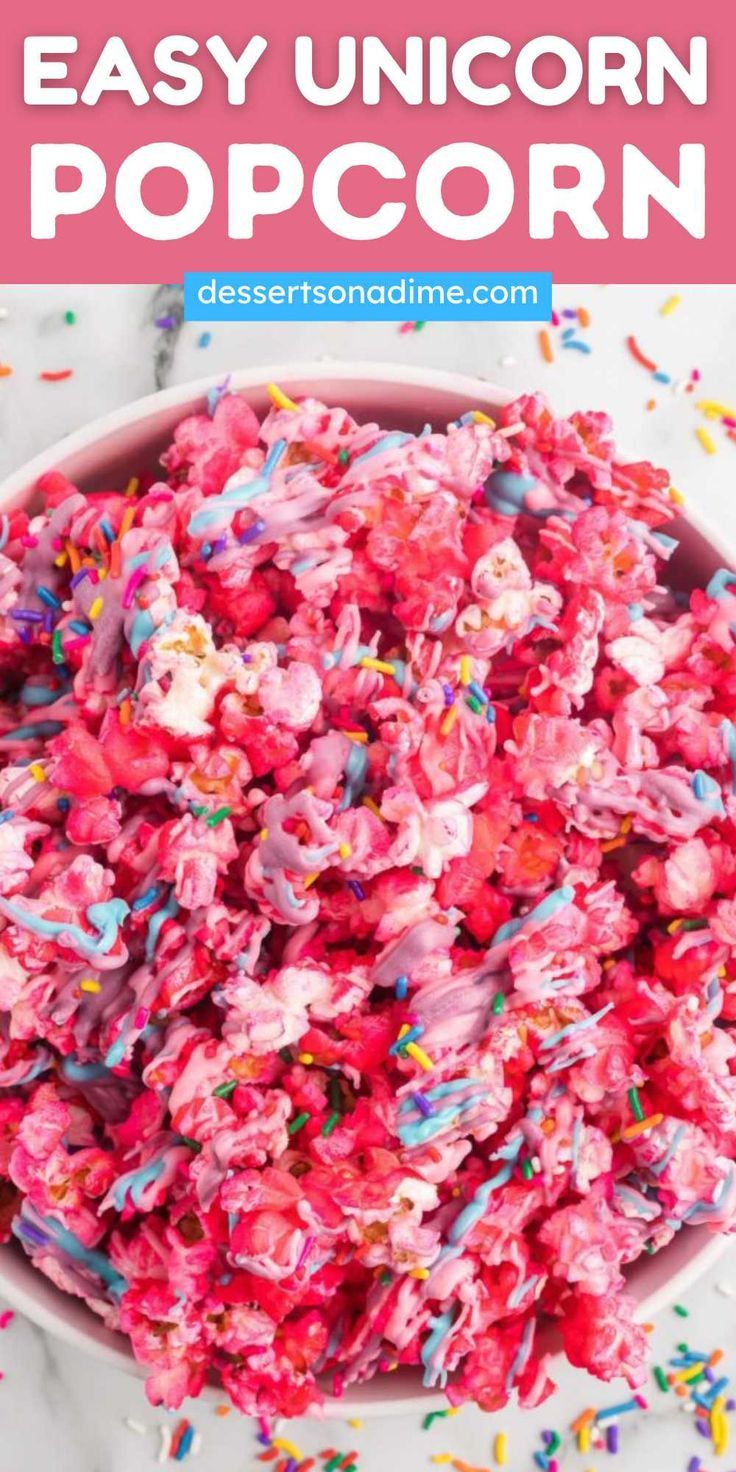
(109, 450)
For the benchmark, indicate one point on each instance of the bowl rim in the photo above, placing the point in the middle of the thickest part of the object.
(375, 1398)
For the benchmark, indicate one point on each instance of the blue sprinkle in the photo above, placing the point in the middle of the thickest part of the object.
(478, 691)
(568, 333)
(79, 627)
(660, 377)
(49, 598)
(205, 338)
(698, 785)
(6, 817)
(636, 611)
(490, 715)
(357, 888)
(580, 347)
(144, 900)
(402, 987)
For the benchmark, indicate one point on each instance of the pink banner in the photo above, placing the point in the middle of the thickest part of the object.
(479, 130)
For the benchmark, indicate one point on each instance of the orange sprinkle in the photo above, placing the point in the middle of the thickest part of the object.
(715, 1358)
(583, 316)
(547, 1126)
(127, 520)
(115, 555)
(448, 721)
(681, 1390)
(607, 848)
(223, 1410)
(5, 370)
(125, 711)
(648, 1328)
(584, 1419)
(545, 343)
(650, 404)
(75, 561)
(641, 1126)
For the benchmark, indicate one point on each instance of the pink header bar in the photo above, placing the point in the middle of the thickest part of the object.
(640, 141)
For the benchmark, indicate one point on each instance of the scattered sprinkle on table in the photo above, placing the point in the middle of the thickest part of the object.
(56, 377)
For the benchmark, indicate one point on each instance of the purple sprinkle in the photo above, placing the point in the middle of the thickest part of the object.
(730, 1404)
(252, 532)
(48, 620)
(357, 888)
(702, 1428)
(694, 1465)
(31, 1233)
(79, 577)
(449, 694)
(709, 1374)
(29, 615)
(612, 1438)
(166, 321)
(569, 312)
(423, 1105)
(24, 635)
(263, 1439)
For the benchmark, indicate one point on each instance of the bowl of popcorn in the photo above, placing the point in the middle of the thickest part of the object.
(367, 892)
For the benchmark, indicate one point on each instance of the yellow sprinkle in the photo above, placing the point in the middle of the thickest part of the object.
(263, 835)
(344, 851)
(310, 879)
(721, 971)
(96, 608)
(500, 1447)
(61, 559)
(132, 486)
(480, 418)
(584, 1439)
(372, 806)
(674, 926)
(288, 1447)
(448, 722)
(355, 1423)
(718, 1426)
(421, 1273)
(380, 665)
(282, 401)
(706, 439)
(671, 305)
(101, 574)
(714, 410)
(90, 985)
(676, 496)
(128, 517)
(37, 771)
(441, 1458)
(306, 1057)
(419, 1056)
(466, 669)
(682, 1376)
(361, 736)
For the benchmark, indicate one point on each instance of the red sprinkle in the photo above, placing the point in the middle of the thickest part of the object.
(56, 377)
(637, 353)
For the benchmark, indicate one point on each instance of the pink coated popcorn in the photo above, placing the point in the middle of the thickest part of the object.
(367, 901)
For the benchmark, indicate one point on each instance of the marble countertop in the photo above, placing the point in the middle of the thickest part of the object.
(58, 1408)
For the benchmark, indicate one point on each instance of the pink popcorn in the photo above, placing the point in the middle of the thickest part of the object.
(367, 901)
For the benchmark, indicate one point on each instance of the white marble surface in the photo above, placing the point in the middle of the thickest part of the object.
(58, 1408)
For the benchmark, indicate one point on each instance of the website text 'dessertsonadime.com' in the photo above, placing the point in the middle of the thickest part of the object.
(383, 296)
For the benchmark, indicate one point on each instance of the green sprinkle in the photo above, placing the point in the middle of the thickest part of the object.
(682, 1313)
(70, 318)
(499, 1002)
(385, 1278)
(343, 457)
(333, 1463)
(693, 925)
(554, 1442)
(661, 1378)
(331, 1123)
(635, 1104)
(192, 1144)
(475, 704)
(199, 810)
(299, 1122)
(285, 1055)
(57, 653)
(683, 1348)
(431, 1417)
(223, 1091)
(335, 1093)
(218, 817)
(527, 1170)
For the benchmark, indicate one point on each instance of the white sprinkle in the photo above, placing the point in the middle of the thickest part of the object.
(688, 1406)
(137, 1426)
(165, 1446)
(727, 1289)
(510, 429)
(4, 313)
(196, 1445)
(507, 362)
